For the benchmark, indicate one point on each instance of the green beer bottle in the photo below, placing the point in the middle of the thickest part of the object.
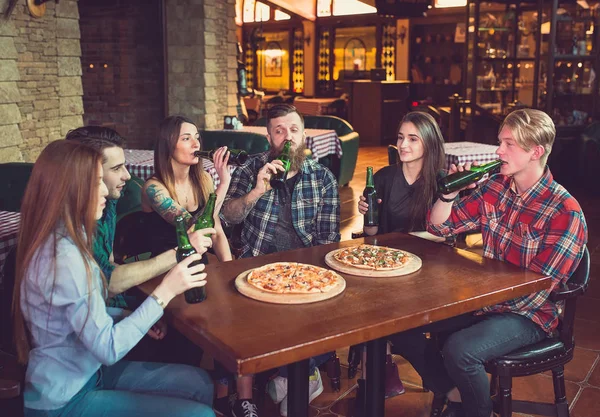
(185, 249)
(206, 218)
(372, 214)
(461, 179)
(278, 179)
(236, 156)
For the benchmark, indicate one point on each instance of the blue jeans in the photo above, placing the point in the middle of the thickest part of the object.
(132, 389)
(466, 343)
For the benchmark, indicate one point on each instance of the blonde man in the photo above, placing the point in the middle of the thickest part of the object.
(527, 219)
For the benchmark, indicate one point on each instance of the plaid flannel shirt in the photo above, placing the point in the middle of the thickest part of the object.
(542, 230)
(315, 207)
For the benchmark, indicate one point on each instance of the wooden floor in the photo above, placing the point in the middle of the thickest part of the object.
(582, 374)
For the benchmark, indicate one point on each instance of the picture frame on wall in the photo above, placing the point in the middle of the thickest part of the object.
(273, 55)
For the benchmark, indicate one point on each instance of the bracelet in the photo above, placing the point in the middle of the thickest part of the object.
(160, 302)
(447, 200)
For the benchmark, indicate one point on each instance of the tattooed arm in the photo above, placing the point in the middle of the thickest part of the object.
(237, 204)
(155, 197)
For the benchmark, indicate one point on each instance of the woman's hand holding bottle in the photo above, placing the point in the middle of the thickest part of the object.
(220, 159)
(363, 206)
(180, 278)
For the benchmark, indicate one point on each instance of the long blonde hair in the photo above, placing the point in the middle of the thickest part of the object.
(164, 148)
(62, 191)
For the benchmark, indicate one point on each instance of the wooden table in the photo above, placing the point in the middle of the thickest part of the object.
(313, 106)
(463, 152)
(249, 336)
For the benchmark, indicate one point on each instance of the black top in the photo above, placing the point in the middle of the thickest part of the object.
(160, 234)
(397, 199)
(287, 237)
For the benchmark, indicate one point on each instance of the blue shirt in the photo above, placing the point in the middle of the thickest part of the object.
(72, 331)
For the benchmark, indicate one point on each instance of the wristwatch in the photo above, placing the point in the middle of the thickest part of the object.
(447, 200)
(160, 302)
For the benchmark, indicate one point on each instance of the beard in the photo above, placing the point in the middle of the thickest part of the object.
(297, 155)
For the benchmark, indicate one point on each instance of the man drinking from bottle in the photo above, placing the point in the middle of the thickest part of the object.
(527, 219)
(304, 211)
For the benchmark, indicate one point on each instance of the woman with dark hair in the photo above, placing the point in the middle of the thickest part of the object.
(407, 190)
(180, 186)
(71, 341)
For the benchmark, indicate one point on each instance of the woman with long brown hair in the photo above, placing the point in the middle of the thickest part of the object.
(180, 186)
(408, 189)
(70, 340)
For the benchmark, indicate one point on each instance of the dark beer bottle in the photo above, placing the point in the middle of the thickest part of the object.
(372, 214)
(185, 249)
(278, 179)
(206, 218)
(236, 156)
(461, 179)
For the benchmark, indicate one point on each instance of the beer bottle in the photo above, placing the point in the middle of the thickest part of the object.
(372, 214)
(461, 179)
(236, 156)
(278, 179)
(206, 218)
(185, 249)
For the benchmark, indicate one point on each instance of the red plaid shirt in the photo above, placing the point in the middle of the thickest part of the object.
(543, 230)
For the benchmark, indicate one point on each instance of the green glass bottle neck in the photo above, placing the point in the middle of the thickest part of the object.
(183, 241)
(370, 182)
(210, 205)
(285, 153)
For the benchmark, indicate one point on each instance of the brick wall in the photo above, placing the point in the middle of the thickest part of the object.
(40, 79)
(201, 60)
(123, 67)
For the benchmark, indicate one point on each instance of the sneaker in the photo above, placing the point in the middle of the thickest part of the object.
(315, 388)
(244, 408)
(277, 389)
(393, 384)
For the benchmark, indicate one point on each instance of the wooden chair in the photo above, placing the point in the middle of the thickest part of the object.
(551, 354)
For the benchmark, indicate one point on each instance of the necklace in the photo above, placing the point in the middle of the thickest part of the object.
(182, 195)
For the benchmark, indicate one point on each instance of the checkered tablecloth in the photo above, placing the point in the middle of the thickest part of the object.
(140, 162)
(321, 142)
(9, 228)
(312, 106)
(463, 152)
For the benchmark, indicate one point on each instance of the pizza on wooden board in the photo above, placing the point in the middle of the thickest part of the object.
(293, 278)
(377, 258)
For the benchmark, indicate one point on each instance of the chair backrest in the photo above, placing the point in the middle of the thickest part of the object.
(252, 143)
(576, 285)
(6, 295)
(393, 154)
(131, 200)
(341, 126)
(15, 176)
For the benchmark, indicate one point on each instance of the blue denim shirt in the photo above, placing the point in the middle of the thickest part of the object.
(72, 330)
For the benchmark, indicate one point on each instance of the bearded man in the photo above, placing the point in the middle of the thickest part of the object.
(306, 212)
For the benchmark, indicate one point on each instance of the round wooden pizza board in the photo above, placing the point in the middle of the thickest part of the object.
(241, 283)
(413, 265)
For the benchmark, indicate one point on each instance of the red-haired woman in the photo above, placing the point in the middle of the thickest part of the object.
(72, 343)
